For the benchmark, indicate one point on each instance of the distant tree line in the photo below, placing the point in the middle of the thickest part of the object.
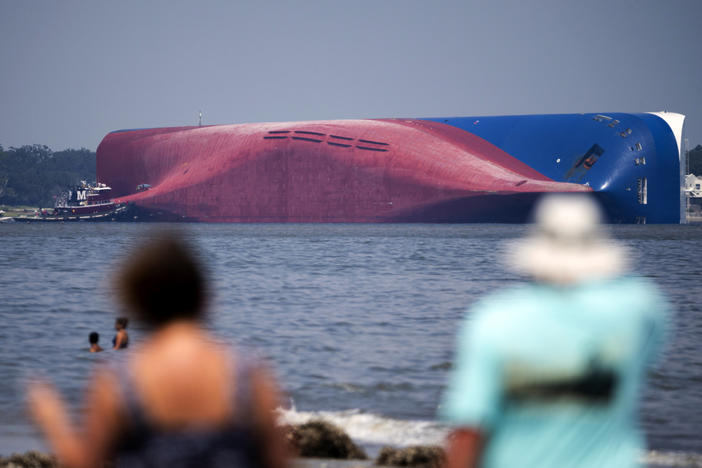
(33, 174)
(695, 158)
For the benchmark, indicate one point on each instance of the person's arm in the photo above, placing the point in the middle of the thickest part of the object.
(265, 401)
(119, 339)
(472, 400)
(464, 448)
(79, 447)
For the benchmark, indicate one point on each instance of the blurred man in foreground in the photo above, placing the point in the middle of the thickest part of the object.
(549, 373)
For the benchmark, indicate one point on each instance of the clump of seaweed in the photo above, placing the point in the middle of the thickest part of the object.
(31, 459)
(320, 439)
(427, 456)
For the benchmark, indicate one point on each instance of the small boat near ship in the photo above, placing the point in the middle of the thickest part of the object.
(82, 202)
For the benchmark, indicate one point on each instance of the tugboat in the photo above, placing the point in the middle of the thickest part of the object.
(82, 202)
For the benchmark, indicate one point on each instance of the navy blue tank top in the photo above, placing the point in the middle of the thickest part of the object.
(235, 445)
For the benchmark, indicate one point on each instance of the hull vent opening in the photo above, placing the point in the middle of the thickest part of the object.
(368, 148)
(372, 142)
(313, 140)
(305, 132)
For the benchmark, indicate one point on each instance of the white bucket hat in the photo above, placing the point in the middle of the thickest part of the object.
(568, 244)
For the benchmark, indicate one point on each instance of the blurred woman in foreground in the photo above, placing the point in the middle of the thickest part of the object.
(180, 399)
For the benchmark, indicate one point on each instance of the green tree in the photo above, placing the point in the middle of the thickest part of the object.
(34, 175)
(695, 160)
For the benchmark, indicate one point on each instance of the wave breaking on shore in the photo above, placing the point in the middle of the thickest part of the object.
(372, 429)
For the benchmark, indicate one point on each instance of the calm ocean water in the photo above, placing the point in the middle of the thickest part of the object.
(358, 320)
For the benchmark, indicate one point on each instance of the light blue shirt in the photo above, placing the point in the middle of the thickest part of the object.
(551, 375)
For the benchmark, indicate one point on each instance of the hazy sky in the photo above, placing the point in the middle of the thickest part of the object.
(71, 71)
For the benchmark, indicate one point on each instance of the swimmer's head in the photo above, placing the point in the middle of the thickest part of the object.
(163, 281)
(121, 323)
(94, 337)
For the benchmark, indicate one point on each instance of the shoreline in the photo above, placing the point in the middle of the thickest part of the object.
(653, 459)
(321, 444)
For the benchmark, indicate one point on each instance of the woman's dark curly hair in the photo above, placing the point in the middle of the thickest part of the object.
(163, 281)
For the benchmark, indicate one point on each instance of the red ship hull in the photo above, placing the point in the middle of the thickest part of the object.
(325, 171)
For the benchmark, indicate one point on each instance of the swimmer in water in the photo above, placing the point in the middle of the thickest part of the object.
(93, 339)
(121, 339)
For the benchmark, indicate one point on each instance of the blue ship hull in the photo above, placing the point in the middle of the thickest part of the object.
(631, 161)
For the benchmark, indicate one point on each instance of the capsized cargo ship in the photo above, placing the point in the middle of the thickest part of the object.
(454, 169)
